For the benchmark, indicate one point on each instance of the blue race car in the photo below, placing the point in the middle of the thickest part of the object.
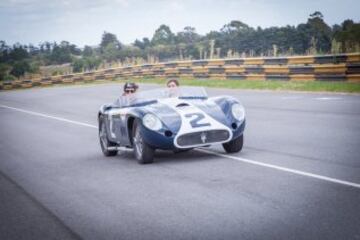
(176, 119)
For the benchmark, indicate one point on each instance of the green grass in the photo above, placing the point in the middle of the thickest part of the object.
(309, 86)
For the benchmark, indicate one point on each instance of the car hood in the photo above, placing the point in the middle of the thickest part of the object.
(181, 115)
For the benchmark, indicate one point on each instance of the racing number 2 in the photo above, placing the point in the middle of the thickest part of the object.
(195, 122)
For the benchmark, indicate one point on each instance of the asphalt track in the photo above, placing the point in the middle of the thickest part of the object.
(298, 176)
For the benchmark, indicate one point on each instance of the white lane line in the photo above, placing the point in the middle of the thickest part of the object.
(291, 98)
(48, 116)
(284, 169)
(327, 98)
(244, 160)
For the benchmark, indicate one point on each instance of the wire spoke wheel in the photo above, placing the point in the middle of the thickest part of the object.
(143, 152)
(138, 142)
(103, 136)
(104, 141)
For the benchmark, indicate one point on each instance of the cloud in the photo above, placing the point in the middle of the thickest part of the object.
(123, 3)
(176, 6)
(83, 21)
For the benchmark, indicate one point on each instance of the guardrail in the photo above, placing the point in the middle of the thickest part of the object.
(341, 67)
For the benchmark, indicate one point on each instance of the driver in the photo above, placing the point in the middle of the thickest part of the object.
(127, 96)
(130, 88)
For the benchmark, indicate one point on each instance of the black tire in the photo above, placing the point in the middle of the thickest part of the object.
(234, 145)
(104, 141)
(143, 153)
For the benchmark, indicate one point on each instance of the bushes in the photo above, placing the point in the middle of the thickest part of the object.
(4, 71)
(78, 65)
(9, 78)
(86, 63)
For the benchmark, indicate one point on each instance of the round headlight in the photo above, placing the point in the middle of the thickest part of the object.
(238, 111)
(152, 122)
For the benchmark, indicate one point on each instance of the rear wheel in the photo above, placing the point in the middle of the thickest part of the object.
(234, 145)
(144, 154)
(108, 148)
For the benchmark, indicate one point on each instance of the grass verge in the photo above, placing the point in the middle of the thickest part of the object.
(309, 86)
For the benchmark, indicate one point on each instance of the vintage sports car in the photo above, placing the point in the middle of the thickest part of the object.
(176, 119)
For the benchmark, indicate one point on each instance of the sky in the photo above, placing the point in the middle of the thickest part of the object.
(82, 22)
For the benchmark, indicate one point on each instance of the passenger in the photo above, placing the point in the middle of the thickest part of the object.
(173, 85)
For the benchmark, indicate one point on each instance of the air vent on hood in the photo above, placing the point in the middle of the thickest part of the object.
(182, 105)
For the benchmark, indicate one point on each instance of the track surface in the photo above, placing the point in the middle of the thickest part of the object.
(56, 184)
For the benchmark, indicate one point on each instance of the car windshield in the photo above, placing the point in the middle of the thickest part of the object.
(151, 96)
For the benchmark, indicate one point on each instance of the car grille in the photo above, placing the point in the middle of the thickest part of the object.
(204, 137)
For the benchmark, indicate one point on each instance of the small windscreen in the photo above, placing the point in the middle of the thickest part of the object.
(151, 96)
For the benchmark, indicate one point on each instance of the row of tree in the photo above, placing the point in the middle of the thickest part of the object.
(235, 39)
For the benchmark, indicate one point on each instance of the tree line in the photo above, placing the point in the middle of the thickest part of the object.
(235, 39)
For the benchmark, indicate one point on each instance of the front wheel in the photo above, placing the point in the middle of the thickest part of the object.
(108, 148)
(234, 145)
(144, 154)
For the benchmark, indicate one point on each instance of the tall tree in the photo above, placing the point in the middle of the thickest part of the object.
(88, 51)
(320, 31)
(187, 36)
(111, 52)
(163, 35)
(348, 34)
(109, 38)
(18, 52)
(142, 44)
(20, 68)
(60, 53)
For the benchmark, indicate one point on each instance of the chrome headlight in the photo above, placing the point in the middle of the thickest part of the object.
(238, 111)
(152, 122)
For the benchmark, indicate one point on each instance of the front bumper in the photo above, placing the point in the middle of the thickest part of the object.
(162, 140)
